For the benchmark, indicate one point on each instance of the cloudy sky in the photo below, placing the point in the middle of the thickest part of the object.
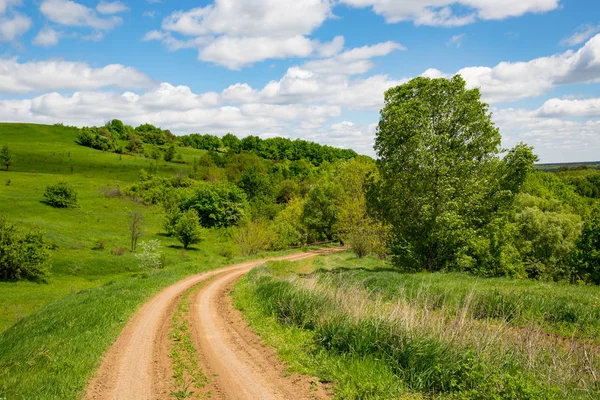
(314, 69)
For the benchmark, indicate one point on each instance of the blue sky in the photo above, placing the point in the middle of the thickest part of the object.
(314, 69)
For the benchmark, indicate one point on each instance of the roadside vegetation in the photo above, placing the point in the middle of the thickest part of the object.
(419, 338)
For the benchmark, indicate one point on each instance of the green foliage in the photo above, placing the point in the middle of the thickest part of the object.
(255, 183)
(253, 237)
(320, 214)
(217, 205)
(170, 153)
(586, 256)
(135, 145)
(23, 255)
(187, 229)
(6, 157)
(61, 195)
(97, 138)
(340, 321)
(117, 128)
(441, 181)
(232, 142)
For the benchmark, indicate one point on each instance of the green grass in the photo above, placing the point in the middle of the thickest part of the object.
(382, 321)
(563, 309)
(52, 335)
(188, 379)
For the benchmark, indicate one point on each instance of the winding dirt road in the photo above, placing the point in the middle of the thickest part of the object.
(237, 365)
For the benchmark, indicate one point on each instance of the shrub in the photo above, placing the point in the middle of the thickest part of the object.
(151, 256)
(23, 255)
(253, 237)
(61, 195)
(187, 228)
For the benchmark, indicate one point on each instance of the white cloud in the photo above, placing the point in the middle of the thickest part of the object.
(570, 108)
(235, 53)
(352, 62)
(63, 75)
(47, 37)
(149, 14)
(5, 4)
(456, 40)
(12, 28)
(114, 7)
(580, 35)
(554, 139)
(70, 13)
(510, 81)
(441, 13)
(268, 18)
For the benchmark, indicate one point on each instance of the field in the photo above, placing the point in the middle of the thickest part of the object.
(53, 334)
(425, 335)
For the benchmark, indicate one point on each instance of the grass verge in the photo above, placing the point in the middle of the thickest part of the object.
(424, 352)
(188, 379)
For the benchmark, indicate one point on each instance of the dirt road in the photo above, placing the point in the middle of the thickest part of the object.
(237, 365)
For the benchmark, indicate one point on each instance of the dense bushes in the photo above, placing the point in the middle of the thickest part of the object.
(23, 255)
(61, 195)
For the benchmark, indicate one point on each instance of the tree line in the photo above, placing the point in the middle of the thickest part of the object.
(120, 138)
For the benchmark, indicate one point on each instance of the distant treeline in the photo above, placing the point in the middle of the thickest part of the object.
(107, 138)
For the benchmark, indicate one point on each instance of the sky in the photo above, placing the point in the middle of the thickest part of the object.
(310, 69)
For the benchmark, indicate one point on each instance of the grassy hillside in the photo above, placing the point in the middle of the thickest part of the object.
(380, 334)
(47, 154)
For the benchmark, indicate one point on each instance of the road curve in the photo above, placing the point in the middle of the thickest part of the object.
(137, 365)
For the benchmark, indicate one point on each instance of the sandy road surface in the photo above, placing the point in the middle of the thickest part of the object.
(137, 366)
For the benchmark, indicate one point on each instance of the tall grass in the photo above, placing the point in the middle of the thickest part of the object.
(434, 352)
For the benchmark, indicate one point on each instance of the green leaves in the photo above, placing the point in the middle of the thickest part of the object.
(441, 179)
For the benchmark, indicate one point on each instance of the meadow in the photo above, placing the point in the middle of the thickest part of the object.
(425, 335)
(53, 334)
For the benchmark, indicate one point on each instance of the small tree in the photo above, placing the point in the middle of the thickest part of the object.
(150, 256)
(23, 255)
(61, 195)
(253, 237)
(6, 157)
(136, 228)
(135, 145)
(187, 229)
(170, 153)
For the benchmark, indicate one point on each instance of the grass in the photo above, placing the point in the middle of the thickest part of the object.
(52, 335)
(188, 378)
(431, 351)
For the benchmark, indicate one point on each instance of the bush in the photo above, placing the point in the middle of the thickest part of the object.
(23, 255)
(253, 237)
(187, 229)
(151, 256)
(61, 195)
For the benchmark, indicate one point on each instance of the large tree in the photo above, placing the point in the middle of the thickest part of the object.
(441, 180)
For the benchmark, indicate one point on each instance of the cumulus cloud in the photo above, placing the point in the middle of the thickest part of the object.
(570, 108)
(47, 37)
(554, 139)
(235, 33)
(70, 13)
(235, 53)
(510, 81)
(114, 7)
(13, 27)
(64, 75)
(267, 18)
(441, 12)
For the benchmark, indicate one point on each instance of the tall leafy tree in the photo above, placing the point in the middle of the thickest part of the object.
(438, 157)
